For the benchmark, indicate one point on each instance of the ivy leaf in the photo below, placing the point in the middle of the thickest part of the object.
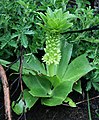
(13, 43)
(29, 32)
(4, 62)
(19, 106)
(24, 40)
(14, 35)
(5, 39)
(96, 86)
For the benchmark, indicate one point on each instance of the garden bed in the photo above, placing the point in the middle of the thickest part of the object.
(50, 54)
(62, 112)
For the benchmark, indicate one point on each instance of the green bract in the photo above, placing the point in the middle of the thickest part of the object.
(57, 21)
(54, 23)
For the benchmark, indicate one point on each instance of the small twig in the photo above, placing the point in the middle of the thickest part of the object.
(15, 90)
(87, 100)
(73, 2)
(20, 67)
(1, 107)
(20, 117)
(89, 110)
(83, 30)
(54, 116)
(82, 101)
(6, 94)
(13, 74)
(20, 78)
(14, 82)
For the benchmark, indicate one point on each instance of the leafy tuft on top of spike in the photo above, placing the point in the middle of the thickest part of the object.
(56, 21)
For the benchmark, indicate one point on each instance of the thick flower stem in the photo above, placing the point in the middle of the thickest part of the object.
(51, 70)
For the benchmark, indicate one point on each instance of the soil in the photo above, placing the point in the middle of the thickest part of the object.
(62, 112)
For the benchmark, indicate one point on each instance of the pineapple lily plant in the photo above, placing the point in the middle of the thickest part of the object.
(55, 23)
(53, 80)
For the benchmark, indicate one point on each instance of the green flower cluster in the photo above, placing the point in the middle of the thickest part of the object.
(52, 50)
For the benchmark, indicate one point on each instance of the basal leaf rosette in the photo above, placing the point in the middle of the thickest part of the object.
(55, 23)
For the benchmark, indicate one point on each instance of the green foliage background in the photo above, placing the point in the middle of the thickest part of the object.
(19, 27)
